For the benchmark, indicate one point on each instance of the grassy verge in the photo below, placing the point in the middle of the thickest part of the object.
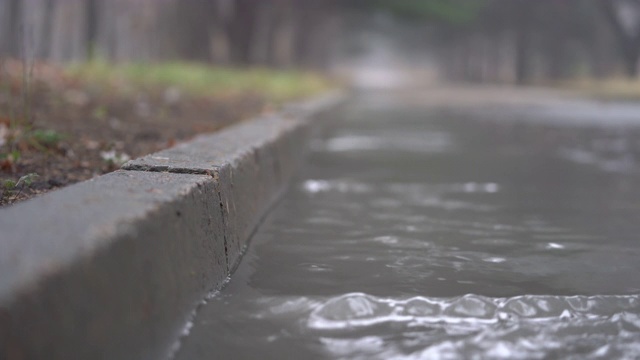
(203, 80)
(61, 125)
(607, 89)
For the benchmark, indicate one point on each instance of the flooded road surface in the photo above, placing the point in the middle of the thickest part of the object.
(420, 232)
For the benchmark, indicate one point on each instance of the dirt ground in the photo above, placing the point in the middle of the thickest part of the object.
(63, 131)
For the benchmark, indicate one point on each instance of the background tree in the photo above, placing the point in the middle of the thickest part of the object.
(624, 18)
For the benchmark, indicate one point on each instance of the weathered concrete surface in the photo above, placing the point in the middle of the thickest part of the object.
(112, 267)
(253, 161)
(107, 266)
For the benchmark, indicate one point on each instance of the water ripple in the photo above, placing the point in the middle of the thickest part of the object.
(358, 309)
(479, 327)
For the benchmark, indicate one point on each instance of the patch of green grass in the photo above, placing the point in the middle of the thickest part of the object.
(11, 189)
(9, 184)
(46, 138)
(204, 80)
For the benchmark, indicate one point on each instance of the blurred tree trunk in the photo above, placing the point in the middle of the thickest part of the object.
(10, 27)
(92, 27)
(315, 25)
(279, 33)
(465, 56)
(601, 61)
(554, 31)
(304, 25)
(459, 58)
(628, 36)
(68, 42)
(494, 60)
(35, 23)
(281, 36)
(220, 30)
(44, 48)
(241, 31)
(556, 58)
(105, 42)
(325, 38)
(523, 42)
(265, 17)
(192, 32)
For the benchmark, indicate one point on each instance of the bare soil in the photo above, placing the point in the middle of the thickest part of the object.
(66, 131)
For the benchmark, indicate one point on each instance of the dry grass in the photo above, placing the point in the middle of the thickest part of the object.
(607, 89)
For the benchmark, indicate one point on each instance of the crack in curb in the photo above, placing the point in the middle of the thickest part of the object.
(169, 169)
(215, 175)
(224, 229)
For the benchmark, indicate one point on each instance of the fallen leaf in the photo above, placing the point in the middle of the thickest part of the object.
(7, 165)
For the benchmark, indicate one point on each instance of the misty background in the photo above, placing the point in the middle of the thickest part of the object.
(493, 41)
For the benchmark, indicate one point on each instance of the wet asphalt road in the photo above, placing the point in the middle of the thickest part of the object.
(428, 231)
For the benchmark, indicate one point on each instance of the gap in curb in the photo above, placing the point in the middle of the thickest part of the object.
(214, 173)
(171, 170)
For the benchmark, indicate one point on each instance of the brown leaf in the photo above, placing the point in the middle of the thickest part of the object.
(7, 165)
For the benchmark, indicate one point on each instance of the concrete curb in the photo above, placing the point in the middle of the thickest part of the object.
(112, 267)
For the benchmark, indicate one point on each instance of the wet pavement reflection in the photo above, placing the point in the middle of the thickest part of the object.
(429, 232)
